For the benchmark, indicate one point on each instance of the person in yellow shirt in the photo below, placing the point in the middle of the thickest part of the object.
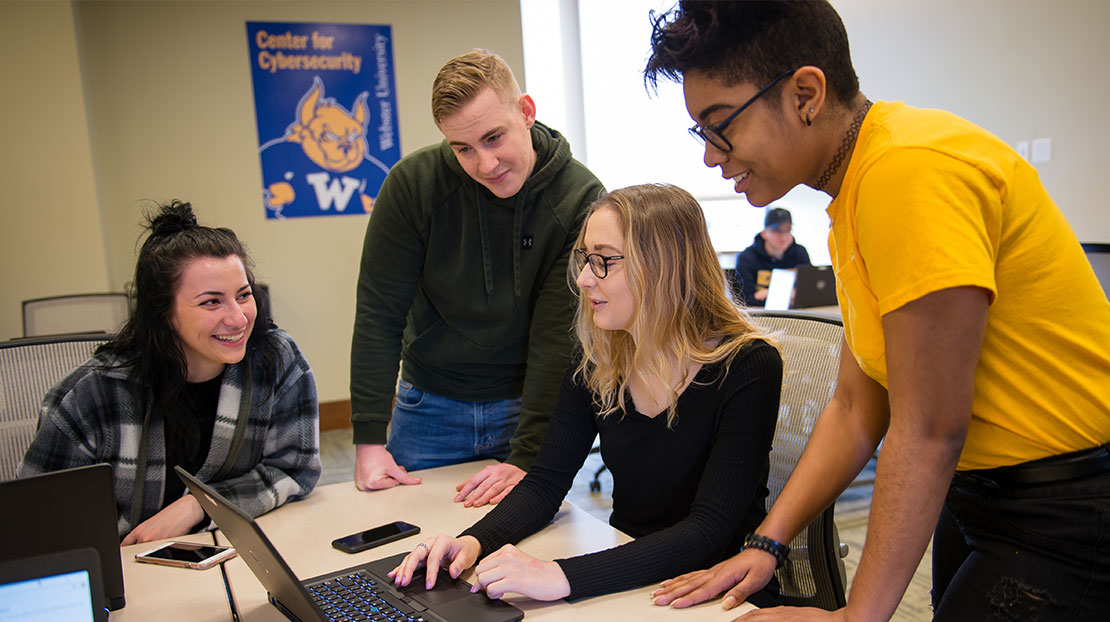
(978, 337)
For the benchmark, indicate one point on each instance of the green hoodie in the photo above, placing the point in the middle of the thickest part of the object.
(469, 290)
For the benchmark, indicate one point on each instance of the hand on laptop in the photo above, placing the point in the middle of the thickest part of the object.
(512, 570)
(490, 485)
(460, 552)
(176, 519)
(375, 469)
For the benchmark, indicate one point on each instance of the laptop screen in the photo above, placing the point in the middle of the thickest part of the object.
(1099, 256)
(63, 510)
(66, 596)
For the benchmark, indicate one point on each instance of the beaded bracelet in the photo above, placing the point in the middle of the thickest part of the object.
(767, 545)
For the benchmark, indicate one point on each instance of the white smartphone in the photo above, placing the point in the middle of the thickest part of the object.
(187, 555)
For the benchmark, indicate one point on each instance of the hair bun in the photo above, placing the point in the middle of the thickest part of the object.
(173, 217)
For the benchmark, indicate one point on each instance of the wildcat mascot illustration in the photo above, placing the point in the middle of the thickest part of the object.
(322, 162)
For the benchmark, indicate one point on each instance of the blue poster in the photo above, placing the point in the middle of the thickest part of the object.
(326, 108)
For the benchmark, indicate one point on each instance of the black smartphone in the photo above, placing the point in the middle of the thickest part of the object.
(373, 537)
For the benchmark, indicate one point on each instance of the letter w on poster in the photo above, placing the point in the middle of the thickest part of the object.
(326, 108)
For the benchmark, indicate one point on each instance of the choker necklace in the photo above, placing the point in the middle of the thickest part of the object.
(845, 147)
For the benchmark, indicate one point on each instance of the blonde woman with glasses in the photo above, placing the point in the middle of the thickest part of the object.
(684, 393)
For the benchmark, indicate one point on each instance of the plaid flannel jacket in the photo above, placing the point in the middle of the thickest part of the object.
(265, 442)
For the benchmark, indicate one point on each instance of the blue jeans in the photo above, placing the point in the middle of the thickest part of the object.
(1023, 552)
(429, 430)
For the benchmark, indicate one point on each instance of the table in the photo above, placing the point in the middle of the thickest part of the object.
(156, 592)
(832, 311)
(302, 532)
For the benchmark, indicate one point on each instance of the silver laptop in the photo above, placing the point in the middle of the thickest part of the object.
(57, 586)
(346, 594)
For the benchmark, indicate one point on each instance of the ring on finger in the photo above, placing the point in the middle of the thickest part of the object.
(427, 550)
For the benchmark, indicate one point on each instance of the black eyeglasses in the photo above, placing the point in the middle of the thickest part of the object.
(714, 134)
(599, 264)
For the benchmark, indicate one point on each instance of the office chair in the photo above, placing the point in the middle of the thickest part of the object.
(28, 368)
(813, 575)
(78, 313)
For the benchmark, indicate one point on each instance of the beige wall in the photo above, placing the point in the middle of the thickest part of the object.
(1023, 69)
(51, 238)
(172, 116)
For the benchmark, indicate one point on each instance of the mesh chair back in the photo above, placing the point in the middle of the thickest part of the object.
(28, 368)
(79, 313)
(812, 575)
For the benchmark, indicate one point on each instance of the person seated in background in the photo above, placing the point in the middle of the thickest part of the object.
(199, 377)
(684, 393)
(773, 248)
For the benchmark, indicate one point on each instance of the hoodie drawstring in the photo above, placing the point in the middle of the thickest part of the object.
(487, 261)
(518, 219)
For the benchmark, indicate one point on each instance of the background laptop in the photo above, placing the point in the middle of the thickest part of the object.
(61, 511)
(449, 601)
(814, 286)
(52, 587)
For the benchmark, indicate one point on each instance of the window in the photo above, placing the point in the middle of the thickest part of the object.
(592, 53)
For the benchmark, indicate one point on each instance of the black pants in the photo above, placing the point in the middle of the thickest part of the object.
(1018, 551)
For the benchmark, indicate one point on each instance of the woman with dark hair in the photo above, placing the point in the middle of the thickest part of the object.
(977, 337)
(199, 377)
(684, 393)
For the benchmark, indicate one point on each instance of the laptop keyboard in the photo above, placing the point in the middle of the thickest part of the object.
(357, 597)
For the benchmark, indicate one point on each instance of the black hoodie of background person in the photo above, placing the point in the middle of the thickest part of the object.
(754, 265)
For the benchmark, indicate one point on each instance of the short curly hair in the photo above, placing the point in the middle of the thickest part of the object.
(751, 41)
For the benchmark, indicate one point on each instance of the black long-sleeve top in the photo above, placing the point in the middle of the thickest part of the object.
(688, 495)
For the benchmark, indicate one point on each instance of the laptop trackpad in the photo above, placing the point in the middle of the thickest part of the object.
(445, 591)
(451, 598)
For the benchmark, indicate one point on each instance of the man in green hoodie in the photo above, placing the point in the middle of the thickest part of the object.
(464, 279)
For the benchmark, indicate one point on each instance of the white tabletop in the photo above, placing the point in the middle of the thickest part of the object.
(302, 532)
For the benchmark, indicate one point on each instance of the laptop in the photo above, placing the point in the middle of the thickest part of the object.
(814, 286)
(56, 586)
(65, 510)
(780, 290)
(324, 597)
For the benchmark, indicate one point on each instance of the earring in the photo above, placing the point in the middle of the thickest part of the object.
(808, 122)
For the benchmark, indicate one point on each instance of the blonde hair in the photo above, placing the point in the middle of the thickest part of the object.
(684, 315)
(467, 75)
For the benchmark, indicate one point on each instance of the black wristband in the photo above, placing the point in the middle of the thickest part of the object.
(765, 544)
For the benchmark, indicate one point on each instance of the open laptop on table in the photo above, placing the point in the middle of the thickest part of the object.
(325, 597)
(814, 286)
(56, 586)
(64, 510)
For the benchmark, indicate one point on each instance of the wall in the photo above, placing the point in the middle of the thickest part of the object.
(172, 116)
(1023, 69)
(51, 238)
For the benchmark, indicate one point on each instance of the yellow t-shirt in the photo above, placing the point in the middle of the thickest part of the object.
(930, 202)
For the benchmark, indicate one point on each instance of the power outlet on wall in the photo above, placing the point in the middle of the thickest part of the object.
(1042, 150)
